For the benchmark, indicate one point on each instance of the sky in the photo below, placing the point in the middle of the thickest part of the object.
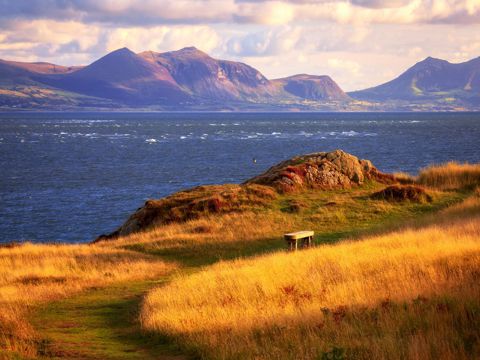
(359, 43)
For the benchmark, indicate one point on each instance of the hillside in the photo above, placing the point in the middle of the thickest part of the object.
(212, 79)
(432, 80)
(43, 67)
(409, 294)
(122, 76)
(312, 87)
(22, 86)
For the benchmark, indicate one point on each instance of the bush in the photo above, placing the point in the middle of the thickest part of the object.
(403, 193)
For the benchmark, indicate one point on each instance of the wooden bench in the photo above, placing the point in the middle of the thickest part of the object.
(306, 238)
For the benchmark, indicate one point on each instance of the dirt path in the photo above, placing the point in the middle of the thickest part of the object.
(100, 324)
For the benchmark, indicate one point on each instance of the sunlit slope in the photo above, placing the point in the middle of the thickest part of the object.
(413, 293)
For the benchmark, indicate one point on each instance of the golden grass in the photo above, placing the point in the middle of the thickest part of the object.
(450, 176)
(32, 274)
(413, 293)
(404, 178)
(322, 211)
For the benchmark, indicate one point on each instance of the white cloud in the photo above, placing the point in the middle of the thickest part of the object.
(49, 40)
(52, 32)
(269, 13)
(352, 67)
(269, 41)
(163, 38)
(273, 12)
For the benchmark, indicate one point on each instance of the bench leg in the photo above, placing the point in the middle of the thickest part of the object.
(292, 245)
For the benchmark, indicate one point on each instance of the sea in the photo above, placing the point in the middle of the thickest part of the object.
(69, 177)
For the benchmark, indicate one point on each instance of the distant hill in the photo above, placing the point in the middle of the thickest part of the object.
(121, 76)
(313, 87)
(23, 86)
(43, 67)
(205, 77)
(189, 79)
(430, 80)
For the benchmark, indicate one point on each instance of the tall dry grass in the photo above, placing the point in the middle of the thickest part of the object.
(410, 294)
(33, 274)
(450, 176)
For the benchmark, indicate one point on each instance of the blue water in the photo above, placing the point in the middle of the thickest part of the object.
(72, 176)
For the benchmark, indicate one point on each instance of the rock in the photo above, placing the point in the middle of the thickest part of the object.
(323, 170)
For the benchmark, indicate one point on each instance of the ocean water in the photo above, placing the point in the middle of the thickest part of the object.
(68, 177)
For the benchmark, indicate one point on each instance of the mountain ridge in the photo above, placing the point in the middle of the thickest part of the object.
(190, 79)
(431, 79)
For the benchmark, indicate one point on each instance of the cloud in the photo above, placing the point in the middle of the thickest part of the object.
(352, 67)
(53, 32)
(271, 41)
(381, 4)
(122, 12)
(163, 38)
(270, 13)
(50, 40)
(73, 42)
(278, 12)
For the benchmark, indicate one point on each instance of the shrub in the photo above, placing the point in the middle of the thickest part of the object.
(403, 193)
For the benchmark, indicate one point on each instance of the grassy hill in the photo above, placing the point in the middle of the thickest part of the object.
(409, 294)
(389, 278)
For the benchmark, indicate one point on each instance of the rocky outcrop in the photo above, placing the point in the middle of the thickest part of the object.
(322, 170)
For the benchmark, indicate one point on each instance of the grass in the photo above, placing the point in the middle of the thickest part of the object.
(331, 214)
(34, 274)
(412, 293)
(101, 323)
(82, 301)
(450, 176)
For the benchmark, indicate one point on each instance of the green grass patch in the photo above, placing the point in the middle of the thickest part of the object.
(100, 324)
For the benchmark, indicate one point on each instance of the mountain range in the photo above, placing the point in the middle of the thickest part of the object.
(189, 79)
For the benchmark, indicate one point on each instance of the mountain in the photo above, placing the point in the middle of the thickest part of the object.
(122, 76)
(186, 79)
(208, 78)
(189, 79)
(430, 80)
(313, 87)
